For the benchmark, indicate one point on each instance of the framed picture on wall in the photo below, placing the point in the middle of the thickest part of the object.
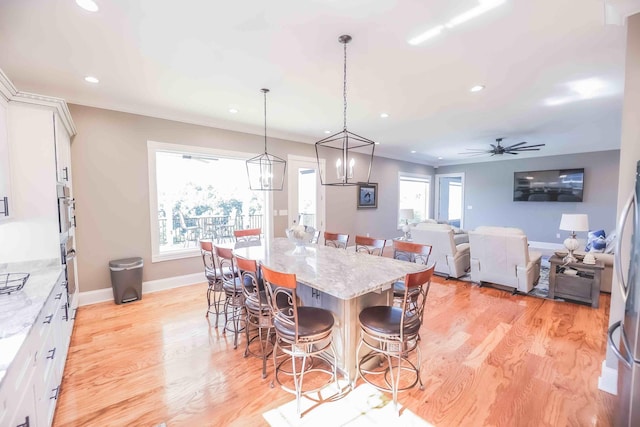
(367, 196)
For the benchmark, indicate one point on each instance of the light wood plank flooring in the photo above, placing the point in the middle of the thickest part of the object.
(490, 358)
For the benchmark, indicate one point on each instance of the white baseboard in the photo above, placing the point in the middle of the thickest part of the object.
(106, 294)
(608, 380)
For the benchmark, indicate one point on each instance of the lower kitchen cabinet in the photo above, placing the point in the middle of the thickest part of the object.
(30, 391)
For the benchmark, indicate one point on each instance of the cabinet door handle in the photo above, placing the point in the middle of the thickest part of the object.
(52, 353)
(75, 224)
(26, 422)
(5, 206)
(58, 296)
(55, 390)
(48, 319)
(75, 311)
(66, 173)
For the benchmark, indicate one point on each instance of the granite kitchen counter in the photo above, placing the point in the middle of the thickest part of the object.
(20, 309)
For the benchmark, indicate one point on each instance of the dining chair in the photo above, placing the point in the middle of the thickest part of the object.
(214, 277)
(336, 240)
(234, 319)
(190, 233)
(301, 333)
(259, 316)
(369, 245)
(411, 252)
(391, 335)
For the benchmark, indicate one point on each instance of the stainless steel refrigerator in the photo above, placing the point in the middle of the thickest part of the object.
(628, 350)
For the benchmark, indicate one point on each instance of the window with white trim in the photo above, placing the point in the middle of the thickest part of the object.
(199, 193)
(414, 193)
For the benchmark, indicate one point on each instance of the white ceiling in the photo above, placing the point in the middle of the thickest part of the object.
(193, 60)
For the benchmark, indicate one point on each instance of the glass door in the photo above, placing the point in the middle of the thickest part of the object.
(450, 199)
(306, 194)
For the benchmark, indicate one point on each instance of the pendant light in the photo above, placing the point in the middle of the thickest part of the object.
(349, 156)
(266, 171)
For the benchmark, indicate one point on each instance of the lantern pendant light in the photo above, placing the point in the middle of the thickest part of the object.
(349, 156)
(266, 171)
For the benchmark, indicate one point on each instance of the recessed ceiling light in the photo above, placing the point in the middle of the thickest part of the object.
(413, 151)
(91, 79)
(327, 131)
(88, 5)
(233, 110)
(384, 115)
(477, 88)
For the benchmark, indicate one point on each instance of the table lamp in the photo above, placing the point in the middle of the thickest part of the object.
(406, 215)
(573, 223)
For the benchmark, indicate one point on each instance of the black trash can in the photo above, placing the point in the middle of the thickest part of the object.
(126, 279)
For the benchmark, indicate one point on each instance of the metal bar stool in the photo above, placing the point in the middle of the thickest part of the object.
(234, 318)
(247, 237)
(411, 252)
(301, 333)
(392, 334)
(259, 320)
(336, 240)
(214, 277)
(369, 245)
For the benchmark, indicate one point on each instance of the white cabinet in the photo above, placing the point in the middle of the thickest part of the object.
(63, 151)
(5, 172)
(32, 385)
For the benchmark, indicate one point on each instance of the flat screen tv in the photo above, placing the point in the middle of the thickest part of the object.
(559, 185)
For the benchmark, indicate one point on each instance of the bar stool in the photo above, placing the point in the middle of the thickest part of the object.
(369, 245)
(247, 237)
(214, 277)
(234, 319)
(411, 252)
(301, 333)
(392, 334)
(259, 320)
(336, 240)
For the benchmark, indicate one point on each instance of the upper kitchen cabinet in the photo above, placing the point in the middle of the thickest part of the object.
(63, 151)
(5, 172)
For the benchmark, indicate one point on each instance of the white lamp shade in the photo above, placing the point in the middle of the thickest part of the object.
(574, 222)
(406, 214)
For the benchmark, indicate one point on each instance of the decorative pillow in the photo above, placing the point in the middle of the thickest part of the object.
(611, 242)
(596, 241)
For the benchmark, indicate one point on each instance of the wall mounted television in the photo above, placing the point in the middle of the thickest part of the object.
(558, 185)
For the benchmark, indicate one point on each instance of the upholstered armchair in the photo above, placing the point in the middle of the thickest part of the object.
(501, 255)
(451, 260)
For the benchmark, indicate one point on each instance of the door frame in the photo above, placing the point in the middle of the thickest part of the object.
(292, 195)
(436, 204)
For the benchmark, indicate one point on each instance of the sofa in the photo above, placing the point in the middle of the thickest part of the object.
(500, 255)
(451, 259)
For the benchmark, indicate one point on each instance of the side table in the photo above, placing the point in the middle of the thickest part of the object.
(584, 286)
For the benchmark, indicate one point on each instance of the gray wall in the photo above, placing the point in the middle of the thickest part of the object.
(111, 187)
(489, 191)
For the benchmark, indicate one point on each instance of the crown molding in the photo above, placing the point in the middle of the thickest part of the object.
(7, 89)
(9, 92)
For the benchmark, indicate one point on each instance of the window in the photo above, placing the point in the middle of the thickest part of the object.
(198, 193)
(414, 192)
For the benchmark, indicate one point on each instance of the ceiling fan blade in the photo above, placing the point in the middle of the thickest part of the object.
(527, 149)
(515, 145)
(531, 146)
(511, 152)
(493, 146)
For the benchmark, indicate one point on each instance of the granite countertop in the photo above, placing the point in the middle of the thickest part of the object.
(19, 310)
(341, 273)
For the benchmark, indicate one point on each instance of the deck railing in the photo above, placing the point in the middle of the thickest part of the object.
(218, 228)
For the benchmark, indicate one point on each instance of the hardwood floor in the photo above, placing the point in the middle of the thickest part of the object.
(489, 358)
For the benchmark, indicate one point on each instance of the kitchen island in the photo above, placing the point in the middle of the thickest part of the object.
(342, 281)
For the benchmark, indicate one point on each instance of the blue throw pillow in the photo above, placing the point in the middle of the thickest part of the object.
(596, 241)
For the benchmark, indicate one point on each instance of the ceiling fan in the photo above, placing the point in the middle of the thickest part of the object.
(498, 149)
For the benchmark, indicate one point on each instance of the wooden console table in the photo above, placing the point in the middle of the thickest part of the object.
(584, 286)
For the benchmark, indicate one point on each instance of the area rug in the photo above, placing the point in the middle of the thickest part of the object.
(541, 290)
(364, 406)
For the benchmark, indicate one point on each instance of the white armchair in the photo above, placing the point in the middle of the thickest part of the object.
(451, 260)
(501, 255)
